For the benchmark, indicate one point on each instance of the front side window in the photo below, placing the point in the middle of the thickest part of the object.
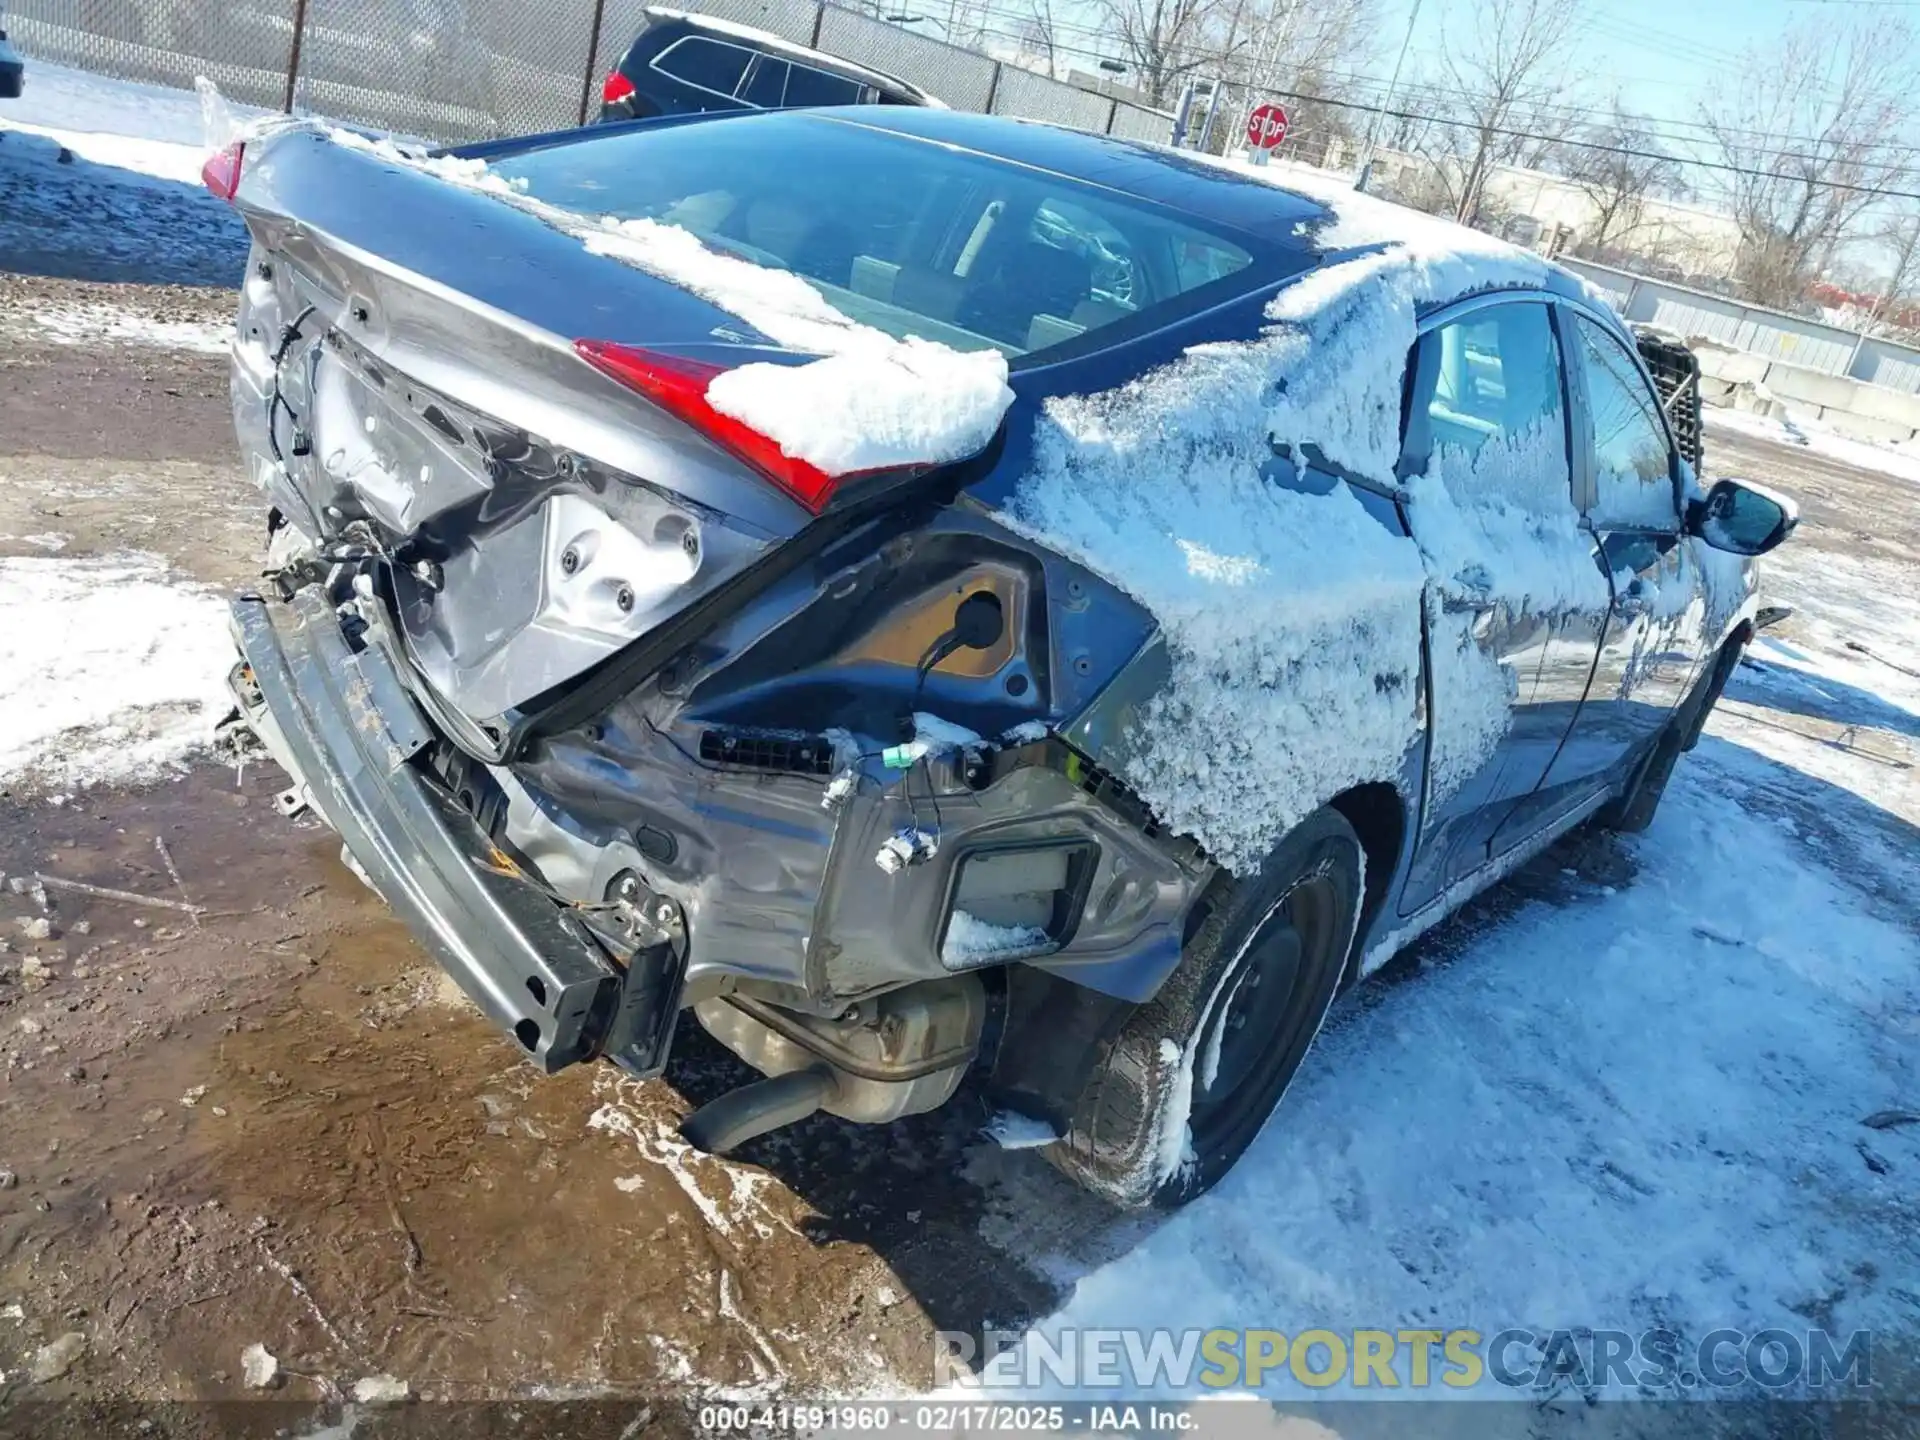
(1487, 410)
(1632, 463)
(807, 86)
(908, 237)
(710, 64)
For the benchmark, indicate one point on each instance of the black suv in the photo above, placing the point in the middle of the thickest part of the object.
(682, 63)
(13, 69)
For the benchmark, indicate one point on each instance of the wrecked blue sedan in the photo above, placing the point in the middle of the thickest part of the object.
(980, 597)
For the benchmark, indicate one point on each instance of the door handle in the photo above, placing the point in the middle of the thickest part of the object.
(1470, 589)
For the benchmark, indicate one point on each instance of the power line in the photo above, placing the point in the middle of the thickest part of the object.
(1660, 129)
(1874, 190)
(1652, 125)
(1189, 63)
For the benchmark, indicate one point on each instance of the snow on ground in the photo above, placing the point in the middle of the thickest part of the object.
(1891, 459)
(103, 118)
(1640, 1109)
(127, 203)
(110, 670)
(90, 324)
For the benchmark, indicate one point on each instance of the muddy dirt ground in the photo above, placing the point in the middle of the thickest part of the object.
(277, 1123)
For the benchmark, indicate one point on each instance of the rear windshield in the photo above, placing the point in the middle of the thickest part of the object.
(910, 237)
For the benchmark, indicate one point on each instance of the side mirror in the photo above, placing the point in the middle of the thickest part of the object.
(1742, 518)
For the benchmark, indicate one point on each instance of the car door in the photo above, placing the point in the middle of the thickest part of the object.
(1655, 632)
(1514, 584)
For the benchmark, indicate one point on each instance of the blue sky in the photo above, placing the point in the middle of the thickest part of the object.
(1683, 45)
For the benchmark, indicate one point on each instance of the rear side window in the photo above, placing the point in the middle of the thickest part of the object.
(767, 88)
(1632, 463)
(710, 64)
(807, 86)
(909, 237)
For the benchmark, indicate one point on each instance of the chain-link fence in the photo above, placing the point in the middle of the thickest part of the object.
(455, 70)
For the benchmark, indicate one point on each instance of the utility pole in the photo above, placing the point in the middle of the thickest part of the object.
(1263, 70)
(1393, 85)
(1183, 113)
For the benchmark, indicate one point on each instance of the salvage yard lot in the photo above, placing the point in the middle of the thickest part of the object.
(1625, 1089)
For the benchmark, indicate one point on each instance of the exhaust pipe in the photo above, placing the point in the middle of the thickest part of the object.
(726, 1123)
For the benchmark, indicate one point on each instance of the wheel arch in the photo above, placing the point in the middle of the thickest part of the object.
(1052, 1028)
(1379, 815)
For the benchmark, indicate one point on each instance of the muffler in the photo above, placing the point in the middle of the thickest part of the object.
(726, 1123)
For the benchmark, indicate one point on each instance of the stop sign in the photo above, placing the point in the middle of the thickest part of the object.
(1266, 127)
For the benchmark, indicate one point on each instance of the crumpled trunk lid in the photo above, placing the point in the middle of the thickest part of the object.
(405, 384)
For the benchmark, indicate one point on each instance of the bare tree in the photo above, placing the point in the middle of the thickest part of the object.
(1804, 128)
(1504, 78)
(1038, 32)
(1899, 239)
(1163, 41)
(1291, 50)
(1621, 166)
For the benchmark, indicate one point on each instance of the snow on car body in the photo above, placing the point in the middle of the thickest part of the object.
(992, 571)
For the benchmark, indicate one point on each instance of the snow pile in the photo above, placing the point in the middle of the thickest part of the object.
(870, 402)
(914, 403)
(110, 670)
(1901, 460)
(145, 129)
(973, 941)
(117, 112)
(1012, 1131)
(473, 174)
(1292, 619)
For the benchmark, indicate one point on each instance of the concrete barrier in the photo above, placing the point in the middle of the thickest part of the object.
(1852, 408)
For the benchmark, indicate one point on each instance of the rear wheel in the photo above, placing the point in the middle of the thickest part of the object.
(1186, 1080)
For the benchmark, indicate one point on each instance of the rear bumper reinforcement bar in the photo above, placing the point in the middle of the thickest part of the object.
(344, 726)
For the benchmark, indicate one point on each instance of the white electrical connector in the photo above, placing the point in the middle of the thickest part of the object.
(909, 845)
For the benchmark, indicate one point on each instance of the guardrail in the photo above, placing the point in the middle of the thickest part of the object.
(453, 70)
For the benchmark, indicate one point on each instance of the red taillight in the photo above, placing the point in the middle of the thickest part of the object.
(679, 386)
(221, 173)
(616, 87)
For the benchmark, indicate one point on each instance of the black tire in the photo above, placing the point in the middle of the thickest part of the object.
(1213, 1052)
(1634, 808)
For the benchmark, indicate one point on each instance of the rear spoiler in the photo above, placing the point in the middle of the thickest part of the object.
(1676, 373)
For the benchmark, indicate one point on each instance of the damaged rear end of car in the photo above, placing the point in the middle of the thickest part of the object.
(626, 710)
